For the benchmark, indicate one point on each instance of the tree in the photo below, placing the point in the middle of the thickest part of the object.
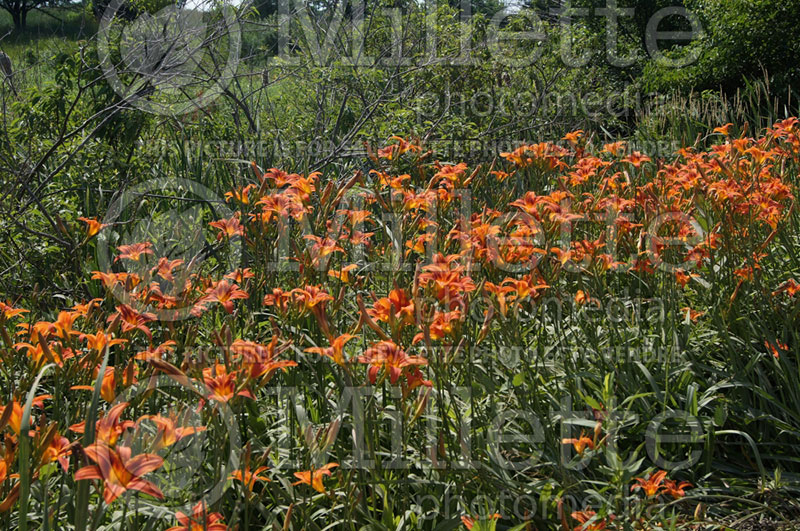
(19, 10)
(266, 7)
(485, 7)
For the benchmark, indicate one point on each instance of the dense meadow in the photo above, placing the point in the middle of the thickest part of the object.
(422, 296)
(572, 325)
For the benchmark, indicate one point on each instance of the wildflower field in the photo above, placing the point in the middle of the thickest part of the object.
(570, 336)
(399, 265)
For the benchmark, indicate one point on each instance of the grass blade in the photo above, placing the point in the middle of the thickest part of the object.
(25, 452)
(82, 495)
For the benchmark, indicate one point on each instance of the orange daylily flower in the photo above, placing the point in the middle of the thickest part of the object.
(199, 520)
(396, 308)
(418, 244)
(446, 280)
(443, 325)
(260, 360)
(614, 148)
(776, 349)
(63, 324)
(451, 172)
(335, 351)
(278, 298)
(693, 315)
(415, 379)
(108, 427)
(385, 179)
(120, 472)
(587, 524)
(3, 470)
(501, 175)
(59, 450)
(242, 195)
(386, 354)
(344, 273)
(101, 340)
(223, 386)
(314, 477)
(168, 432)
(636, 158)
(222, 292)
(109, 280)
(93, 226)
(280, 177)
(573, 137)
(157, 352)
(130, 319)
(304, 186)
(724, 129)
(581, 443)
(228, 228)
(39, 329)
(676, 489)
(501, 293)
(560, 213)
(15, 417)
(322, 247)
(37, 352)
(312, 296)
(248, 478)
(107, 387)
(240, 275)
(469, 521)
(134, 251)
(518, 156)
(392, 151)
(683, 278)
(651, 485)
(281, 205)
(526, 286)
(165, 268)
(790, 287)
(7, 311)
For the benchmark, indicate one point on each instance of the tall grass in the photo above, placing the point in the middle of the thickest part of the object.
(684, 118)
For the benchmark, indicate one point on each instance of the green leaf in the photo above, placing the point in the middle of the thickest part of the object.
(25, 451)
(82, 495)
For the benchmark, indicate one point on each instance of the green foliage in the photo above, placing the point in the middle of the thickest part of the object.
(743, 39)
(127, 9)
